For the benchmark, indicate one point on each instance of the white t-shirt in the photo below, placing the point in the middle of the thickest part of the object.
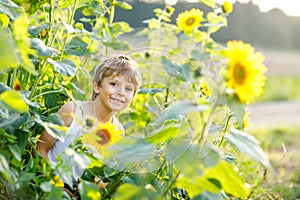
(75, 131)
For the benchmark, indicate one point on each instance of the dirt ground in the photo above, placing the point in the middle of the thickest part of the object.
(286, 113)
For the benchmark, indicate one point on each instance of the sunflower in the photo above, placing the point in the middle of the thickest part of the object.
(188, 20)
(246, 120)
(227, 7)
(102, 137)
(245, 71)
(204, 89)
(4, 20)
(57, 182)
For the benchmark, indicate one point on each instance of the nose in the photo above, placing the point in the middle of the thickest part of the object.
(120, 91)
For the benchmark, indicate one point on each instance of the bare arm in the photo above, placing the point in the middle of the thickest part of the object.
(46, 140)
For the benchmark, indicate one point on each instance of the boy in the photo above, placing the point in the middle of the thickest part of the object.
(115, 83)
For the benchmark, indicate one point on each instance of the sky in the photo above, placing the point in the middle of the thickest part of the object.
(289, 7)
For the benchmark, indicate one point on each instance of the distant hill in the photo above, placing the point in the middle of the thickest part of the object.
(271, 30)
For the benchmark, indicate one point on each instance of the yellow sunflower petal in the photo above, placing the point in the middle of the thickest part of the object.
(189, 20)
(245, 71)
(102, 137)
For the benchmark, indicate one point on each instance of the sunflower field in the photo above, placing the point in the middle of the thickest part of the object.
(186, 129)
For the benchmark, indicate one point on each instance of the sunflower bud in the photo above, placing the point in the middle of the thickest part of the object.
(227, 7)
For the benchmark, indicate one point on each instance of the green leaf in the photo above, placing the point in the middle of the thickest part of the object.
(210, 3)
(247, 144)
(237, 108)
(134, 192)
(36, 30)
(215, 22)
(15, 150)
(14, 101)
(185, 155)
(8, 57)
(164, 135)
(231, 182)
(133, 153)
(46, 186)
(196, 184)
(3, 87)
(178, 109)
(123, 5)
(208, 156)
(88, 190)
(208, 195)
(76, 47)
(200, 56)
(150, 90)
(42, 49)
(22, 139)
(56, 119)
(173, 69)
(10, 8)
(65, 67)
(14, 121)
(56, 131)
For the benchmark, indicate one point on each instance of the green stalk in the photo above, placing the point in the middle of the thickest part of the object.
(71, 17)
(13, 78)
(204, 132)
(37, 80)
(112, 12)
(225, 129)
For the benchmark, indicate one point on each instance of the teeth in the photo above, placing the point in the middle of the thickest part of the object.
(117, 100)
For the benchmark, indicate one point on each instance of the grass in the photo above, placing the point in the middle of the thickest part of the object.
(281, 88)
(282, 146)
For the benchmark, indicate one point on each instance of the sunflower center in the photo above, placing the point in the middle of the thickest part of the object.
(239, 73)
(190, 21)
(104, 135)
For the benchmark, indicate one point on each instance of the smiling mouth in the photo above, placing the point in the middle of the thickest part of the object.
(117, 100)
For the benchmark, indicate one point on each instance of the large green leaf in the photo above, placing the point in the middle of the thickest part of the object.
(42, 49)
(8, 57)
(179, 109)
(14, 121)
(36, 30)
(10, 8)
(76, 47)
(247, 144)
(237, 108)
(134, 192)
(164, 135)
(210, 3)
(56, 131)
(65, 67)
(174, 69)
(89, 190)
(132, 153)
(13, 100)
(196, 184)
(123, 5)
(229, 179)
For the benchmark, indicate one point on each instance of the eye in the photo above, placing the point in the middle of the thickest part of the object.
(113, 83)
(129, 89)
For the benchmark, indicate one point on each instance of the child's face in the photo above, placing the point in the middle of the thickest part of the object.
(115, 92)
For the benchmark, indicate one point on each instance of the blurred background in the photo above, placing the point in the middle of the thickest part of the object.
(272, 27)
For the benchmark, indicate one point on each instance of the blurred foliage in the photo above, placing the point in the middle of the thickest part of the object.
(281, 143)
(281, 88)
(181, 142)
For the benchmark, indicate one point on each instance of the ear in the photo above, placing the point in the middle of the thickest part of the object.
(96, 88)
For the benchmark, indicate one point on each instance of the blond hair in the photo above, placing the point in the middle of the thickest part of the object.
(114, 66)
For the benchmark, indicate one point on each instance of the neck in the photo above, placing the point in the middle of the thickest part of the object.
(103, 115)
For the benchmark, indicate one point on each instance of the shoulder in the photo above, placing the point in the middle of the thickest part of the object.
(66, 112)
(118, 123)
